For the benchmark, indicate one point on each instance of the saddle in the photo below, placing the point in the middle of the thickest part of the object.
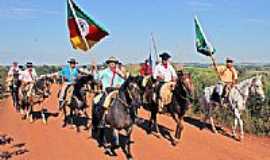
(145, 80)
(165, 94)
(108, 100)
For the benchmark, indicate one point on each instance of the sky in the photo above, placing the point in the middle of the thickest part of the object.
(36, 30)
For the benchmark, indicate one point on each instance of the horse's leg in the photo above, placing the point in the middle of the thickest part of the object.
(150, 123)
(234, 135)
(210, 114)
(115, 138)
(128, 145)
(43, 116)
(156, 124)
(31, 113)
(65, 116)
(214, 130)
(180, 127)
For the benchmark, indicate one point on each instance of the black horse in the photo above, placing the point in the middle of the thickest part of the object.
(78, 100)
(182, 96)
(14, 88)
(40, 91)
(121, 115)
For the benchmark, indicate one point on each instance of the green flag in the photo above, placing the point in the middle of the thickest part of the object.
(203, 46)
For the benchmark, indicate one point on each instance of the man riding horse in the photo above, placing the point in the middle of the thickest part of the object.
(69, 75)
(229, 77)
(13, 71)
(165, 74)
(111, 79)
(28, 78)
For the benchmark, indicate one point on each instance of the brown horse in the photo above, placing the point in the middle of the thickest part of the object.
(40, 91)
(182, 97)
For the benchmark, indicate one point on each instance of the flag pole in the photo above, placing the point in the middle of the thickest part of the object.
(154, 45)
(77, 21)
(215, 65)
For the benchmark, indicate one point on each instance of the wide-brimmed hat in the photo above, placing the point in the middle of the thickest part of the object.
(164, 56)
(72, 61)
(112, 60)
(229, 60)
(29, 64)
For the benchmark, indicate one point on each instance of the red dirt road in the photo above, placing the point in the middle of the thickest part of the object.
(51, 142)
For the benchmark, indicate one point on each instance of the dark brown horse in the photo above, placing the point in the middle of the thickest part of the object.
(182, 96)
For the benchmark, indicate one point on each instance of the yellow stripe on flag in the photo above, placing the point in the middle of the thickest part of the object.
(78, 42)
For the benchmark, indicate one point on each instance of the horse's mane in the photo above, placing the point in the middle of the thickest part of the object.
(245, 83)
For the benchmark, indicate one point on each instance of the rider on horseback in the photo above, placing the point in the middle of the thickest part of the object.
(111, 79)
(28, 78)
(229, 76)
(69, 74)
(13, 71)
(164, 73)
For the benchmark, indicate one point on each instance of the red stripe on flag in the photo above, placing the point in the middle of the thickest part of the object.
(95, 33)
(73, 28)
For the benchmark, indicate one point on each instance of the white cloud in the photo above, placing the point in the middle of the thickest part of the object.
(198, 3)
(22, 13)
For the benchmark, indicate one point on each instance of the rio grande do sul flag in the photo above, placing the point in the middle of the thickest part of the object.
(202, 44)
(84, 31)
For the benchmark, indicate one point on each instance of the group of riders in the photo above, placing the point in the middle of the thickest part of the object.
(112, 77)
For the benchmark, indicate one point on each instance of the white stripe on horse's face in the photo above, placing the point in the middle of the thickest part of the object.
(258, 87)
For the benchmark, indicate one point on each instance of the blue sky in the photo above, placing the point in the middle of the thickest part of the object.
(35, 30)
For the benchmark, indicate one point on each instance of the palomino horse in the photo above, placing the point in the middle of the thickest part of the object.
(78, 99)
(182, 96)
(237, 100)
(121, 115)
(40, 91)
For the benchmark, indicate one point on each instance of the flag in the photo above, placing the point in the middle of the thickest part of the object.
(202, 44)
(84, 31)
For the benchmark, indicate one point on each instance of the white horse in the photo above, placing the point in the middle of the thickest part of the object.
(237, 99)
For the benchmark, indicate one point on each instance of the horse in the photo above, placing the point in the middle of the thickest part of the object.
(78, 100)
(14, 88)
(182, 97)
(237, 99)
(40, 91)
(121, 115)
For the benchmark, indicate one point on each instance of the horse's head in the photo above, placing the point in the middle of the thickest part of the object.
(82, 84)
(184, 87)
(134, 91)
(43, 86)
(256, 87)
(185, 79)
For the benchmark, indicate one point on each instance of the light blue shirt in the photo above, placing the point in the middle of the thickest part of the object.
(107, 80)
(70, 74)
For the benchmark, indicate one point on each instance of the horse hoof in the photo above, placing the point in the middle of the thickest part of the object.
(174, 143)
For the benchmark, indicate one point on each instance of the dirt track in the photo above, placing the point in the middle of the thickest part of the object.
(37, 141)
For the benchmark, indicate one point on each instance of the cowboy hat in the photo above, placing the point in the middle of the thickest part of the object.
(229, 60)
(112, 60)
(29, 64)
(72, 61)
(164, 56)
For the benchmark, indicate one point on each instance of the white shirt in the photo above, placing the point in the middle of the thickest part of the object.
(168, 73)
(12, 70)
(27, 77)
